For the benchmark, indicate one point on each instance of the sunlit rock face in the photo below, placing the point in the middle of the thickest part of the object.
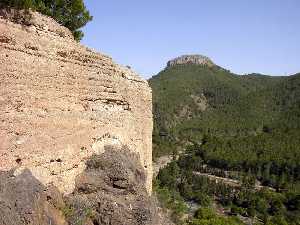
(191, 59)
(61, 102)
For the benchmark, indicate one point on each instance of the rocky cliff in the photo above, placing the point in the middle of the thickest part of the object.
(190, 59)
(61, 103)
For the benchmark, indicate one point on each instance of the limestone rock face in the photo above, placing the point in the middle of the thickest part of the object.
(190, 59)
(61, 102)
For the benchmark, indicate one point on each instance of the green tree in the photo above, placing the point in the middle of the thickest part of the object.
(206, 216)
(261, 206)
(205, 213)
(203, 199)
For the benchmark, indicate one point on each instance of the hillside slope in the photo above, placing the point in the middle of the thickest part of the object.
(191, 101)
(235, 144)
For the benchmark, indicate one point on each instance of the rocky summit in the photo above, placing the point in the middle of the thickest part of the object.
(191, 59)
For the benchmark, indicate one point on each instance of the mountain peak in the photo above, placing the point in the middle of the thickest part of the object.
(191, 59)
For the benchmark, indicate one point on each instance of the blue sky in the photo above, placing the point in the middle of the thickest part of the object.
(243, 36)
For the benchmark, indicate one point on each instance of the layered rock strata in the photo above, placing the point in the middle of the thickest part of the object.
(61, 103)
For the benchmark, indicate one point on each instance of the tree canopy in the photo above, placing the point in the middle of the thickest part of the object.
(69, 13)
(235, 144)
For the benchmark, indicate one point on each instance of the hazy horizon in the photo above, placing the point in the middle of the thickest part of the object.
(242, 36)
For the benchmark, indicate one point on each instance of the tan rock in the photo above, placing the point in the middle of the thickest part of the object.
(61, 102)
(191, 59)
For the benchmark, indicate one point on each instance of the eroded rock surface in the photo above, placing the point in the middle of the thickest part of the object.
(24, 200)
(61, 103)
(191, 59)
(111, 191)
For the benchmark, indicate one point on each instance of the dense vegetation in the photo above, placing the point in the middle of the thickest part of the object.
(183, 181)
(191, 101)
(244, 128)
(69, 13)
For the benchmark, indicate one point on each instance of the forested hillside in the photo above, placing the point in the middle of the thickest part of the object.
(193, 101)
(244, 127)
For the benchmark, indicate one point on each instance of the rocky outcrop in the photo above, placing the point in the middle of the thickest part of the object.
(191, 59)
(112, 190)
(24, 200)
(109, 192)
(61, 103)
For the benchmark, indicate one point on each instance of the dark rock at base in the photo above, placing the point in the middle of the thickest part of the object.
(24, 200)
(111, 191)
